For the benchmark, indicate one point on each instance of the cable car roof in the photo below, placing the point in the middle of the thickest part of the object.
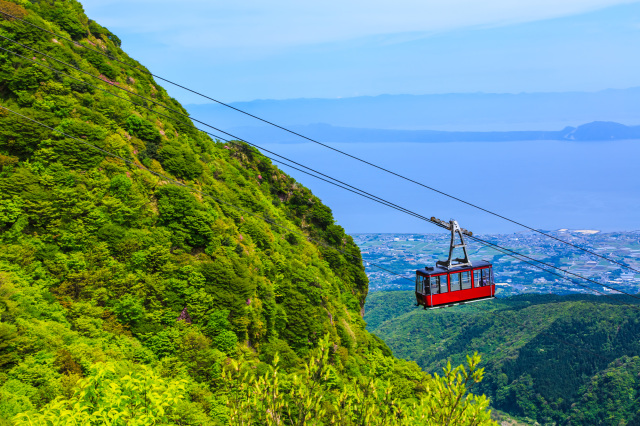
(434, 270)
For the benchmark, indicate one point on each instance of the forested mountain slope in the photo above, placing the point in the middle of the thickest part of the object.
(126, 298)
(553, 359)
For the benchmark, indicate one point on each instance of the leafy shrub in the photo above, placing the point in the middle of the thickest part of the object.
(11, 9)
(180, 162)
(110, 397)
(129, 309)
(146, 131)
(100, 62)
(100, 31)
(180, 212)
(120, 186)
(62, 13)
(28, 79)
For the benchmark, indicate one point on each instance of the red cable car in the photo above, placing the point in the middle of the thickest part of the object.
(454, 281)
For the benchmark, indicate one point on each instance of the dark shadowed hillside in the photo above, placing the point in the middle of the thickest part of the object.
(552, 359)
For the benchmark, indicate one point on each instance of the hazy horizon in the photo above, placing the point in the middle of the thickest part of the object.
(234, 102)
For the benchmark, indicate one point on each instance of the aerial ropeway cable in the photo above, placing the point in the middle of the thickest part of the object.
(198, 191)
(488, 244)
(353, 189)
(143, 70)
(270, 220)
(359, 191)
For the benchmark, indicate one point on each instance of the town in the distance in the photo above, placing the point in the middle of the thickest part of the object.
(404, 253)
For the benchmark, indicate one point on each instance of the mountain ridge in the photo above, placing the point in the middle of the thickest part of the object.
(450, 112)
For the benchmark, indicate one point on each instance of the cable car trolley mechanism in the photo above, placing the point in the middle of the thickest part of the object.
(454, 281)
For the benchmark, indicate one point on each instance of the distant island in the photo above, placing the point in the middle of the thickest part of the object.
(594, 131)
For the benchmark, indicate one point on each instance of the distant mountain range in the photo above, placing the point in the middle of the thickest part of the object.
(595, 131)
(477, 112)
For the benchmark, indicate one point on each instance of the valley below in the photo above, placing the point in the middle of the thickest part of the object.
(548, 359)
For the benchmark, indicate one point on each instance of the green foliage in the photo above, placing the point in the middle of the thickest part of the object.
(63, 14)
(129, 309)
(611, 397)
(312, 397)
(100, 31)
(146, 131)
(101, 64)
(184, 216)
(28, 79)
(108, 397)
(530, 343)
(180, 162)
(127, 299)
(8, 341)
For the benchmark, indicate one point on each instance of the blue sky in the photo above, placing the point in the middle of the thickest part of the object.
(283, 49)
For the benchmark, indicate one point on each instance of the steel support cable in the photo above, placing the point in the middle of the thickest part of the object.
(355, 190)
(370, 196)
(382, 201)
(270, 221)
(496, 247)
(504, 250)
(552, 266)
(203, 193)
(122, 88)
(189, 123)
(105, 90)
(324, 145)
(560, 275)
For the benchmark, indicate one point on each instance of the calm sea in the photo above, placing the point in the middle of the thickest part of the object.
(544, 184)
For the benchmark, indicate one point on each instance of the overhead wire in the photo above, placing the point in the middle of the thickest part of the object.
(198, 191)
(173, 118)
(268, 220)
(496, 247)
(354, 189)
(322, 144)
(512, 254)
(156, 103)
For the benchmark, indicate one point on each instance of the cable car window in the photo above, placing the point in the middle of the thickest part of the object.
(442, 282)
(455, 281)
(422, 284)
(466, 280)
(435, 285)
(476, 278)
(485, 278)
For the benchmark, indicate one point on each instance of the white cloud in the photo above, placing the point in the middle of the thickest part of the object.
(285, 23)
